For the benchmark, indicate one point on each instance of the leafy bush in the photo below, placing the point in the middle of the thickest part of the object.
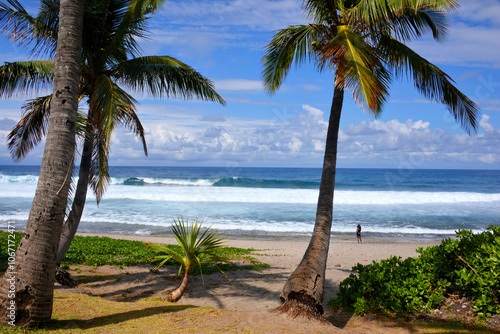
(4, 245)
(469, 265)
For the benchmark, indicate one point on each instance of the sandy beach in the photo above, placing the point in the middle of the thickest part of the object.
(245, 290)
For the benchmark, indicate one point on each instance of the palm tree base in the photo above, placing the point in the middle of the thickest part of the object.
(301, 304)
(64, 278)
(172, 297)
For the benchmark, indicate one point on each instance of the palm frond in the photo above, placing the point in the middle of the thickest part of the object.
(99, 130)
(409, 17)
(115, 106)
(413, 24)
(25, 76)
(171, 254)
(431, 82)
(33, 125)
(358, 68)
(196, 248)
(25, 29)
(287, 45)
(31, 128)
(110, 106)
(165, 76)
(324, 11)
(130, 20)
(209, 240)
(47, 26)
(128, 117)
(99, 169)
(103, 103)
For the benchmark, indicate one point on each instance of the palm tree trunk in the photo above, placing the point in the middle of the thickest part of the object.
(177, 294)
(34, 268)
(303, 291)
(71, 225)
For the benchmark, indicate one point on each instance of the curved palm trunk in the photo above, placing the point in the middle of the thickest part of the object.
(177, 293)
(303, 291)
(71, 225)
(26, 289)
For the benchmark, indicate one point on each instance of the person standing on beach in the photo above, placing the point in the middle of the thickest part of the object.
(358, 234)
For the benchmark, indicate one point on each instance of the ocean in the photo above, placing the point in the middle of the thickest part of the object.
(276, 202)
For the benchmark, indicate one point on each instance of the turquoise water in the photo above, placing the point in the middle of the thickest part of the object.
(275, 201)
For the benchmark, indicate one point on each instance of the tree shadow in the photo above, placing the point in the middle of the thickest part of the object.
(337, 319)
(117, 318)
(122, 286)
(242, 284)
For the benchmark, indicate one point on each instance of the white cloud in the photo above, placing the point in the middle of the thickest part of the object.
(485, 12)
(413, 143)
(261, 15)
(196, 28)
(297, 139)
(483, 123)
(239, 85)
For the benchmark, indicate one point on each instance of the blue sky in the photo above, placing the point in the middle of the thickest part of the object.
(224, 40)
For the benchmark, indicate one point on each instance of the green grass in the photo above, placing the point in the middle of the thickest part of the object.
(80, 313)
(98, 251)
(4, 245)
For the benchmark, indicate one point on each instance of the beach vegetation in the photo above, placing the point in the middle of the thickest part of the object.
(98, 251)
(111, 67)
(364, 44)
(467, 266)
(76, 313)
(196, 248)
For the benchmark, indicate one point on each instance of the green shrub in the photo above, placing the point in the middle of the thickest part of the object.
(469, 264)
(4, 245)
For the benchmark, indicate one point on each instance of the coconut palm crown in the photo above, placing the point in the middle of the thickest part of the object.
(362, 42)
(112, 66)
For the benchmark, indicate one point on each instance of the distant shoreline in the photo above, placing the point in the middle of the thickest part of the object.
(336, 237)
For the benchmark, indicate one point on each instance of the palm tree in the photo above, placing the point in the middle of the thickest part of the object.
(111, 57)
(362, 43)
(195, 250)
(34, 268)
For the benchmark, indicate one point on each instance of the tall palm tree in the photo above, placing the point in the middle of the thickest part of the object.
(33, 273)
(110, 58)
(363, 43)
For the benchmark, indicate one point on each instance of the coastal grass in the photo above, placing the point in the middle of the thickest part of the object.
(98, 251)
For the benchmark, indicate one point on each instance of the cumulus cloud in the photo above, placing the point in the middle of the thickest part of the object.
(415, 144)
(297, 139)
